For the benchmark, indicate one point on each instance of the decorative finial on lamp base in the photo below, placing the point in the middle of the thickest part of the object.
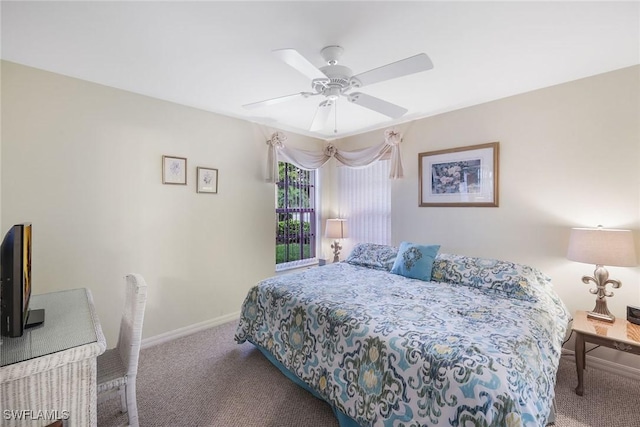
(336, 251)
(601, 280)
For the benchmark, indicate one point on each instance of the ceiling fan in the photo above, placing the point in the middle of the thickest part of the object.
(334, 81)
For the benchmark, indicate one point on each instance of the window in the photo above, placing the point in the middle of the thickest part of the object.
(296, 217)
(365, 200)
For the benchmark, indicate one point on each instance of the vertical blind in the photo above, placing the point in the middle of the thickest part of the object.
(365, 201)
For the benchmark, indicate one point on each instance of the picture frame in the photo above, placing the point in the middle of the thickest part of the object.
(207, 180)
(174, 170)
(460, 177)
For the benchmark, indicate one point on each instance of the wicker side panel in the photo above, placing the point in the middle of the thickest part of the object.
(67, 391)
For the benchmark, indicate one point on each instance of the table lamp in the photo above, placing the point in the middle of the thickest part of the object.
(336, 229)
(602, 247)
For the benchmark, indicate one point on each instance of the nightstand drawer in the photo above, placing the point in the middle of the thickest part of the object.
(611, 343)
(626, 347)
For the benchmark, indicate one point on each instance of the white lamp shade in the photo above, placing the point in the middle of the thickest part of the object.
(336, 228)
(601, 246)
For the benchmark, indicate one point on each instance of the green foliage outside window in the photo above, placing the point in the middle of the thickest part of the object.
(294, 252)
(298, 186)
(291, 228)
(295, 209)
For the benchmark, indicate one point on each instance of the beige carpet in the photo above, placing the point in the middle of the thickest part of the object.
(206, 379)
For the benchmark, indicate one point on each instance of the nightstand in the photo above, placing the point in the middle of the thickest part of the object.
(621, 335)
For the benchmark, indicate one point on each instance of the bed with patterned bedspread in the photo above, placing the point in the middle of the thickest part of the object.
(477, 345)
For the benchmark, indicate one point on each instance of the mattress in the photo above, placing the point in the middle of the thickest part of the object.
(386, 350)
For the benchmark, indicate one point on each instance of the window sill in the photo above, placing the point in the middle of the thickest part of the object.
(296, 265)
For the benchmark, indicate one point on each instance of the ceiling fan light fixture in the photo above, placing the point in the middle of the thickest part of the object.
(332, 93)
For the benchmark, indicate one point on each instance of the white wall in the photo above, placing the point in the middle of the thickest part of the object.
(82, 162)
(569, 157)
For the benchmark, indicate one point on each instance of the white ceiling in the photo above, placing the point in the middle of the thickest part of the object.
(216, 56)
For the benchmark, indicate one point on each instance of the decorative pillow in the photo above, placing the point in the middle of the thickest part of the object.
(501, 277)
(415, 261)
(371, 255)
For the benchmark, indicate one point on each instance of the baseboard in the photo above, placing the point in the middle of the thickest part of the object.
(188, 330)
(608, 366)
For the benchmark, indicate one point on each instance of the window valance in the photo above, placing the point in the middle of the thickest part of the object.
(310, 160)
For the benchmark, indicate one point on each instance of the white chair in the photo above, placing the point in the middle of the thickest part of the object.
(118, 367)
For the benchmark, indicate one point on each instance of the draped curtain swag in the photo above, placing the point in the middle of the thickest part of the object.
(310, 160)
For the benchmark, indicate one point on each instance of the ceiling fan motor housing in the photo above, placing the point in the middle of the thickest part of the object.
(339, 78)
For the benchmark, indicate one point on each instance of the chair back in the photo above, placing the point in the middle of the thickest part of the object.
(130, 335)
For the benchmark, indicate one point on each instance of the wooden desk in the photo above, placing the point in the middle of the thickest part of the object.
(620, 335)
(50, 371)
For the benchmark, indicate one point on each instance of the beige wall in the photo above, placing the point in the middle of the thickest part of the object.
(569, 156)
(82, 162)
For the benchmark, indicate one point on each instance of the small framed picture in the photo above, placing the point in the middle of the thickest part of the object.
(174, 170)
(207, 179)
(463, 176)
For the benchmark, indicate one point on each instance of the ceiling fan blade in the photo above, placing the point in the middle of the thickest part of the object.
(322, 115)
(376, 104)
(272, 101)
(411, 65)
(300, 63)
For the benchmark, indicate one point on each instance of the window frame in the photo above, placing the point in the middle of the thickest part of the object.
(301, 211)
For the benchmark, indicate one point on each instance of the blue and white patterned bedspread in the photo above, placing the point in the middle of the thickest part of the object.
(392, 351)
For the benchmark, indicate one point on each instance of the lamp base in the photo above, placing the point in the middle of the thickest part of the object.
(601, 280)
(336, 251)
(599, 316)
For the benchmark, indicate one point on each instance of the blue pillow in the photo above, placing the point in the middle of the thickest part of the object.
(415, 261)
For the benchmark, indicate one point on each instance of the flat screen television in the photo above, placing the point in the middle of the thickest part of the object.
(15, 285)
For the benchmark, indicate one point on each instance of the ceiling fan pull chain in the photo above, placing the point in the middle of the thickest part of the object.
(335, 118)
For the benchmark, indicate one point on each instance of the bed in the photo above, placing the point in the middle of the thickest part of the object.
(476, 345)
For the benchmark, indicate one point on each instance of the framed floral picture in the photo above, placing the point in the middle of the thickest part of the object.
(174, 170)
(463, 176)
(207, 180)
